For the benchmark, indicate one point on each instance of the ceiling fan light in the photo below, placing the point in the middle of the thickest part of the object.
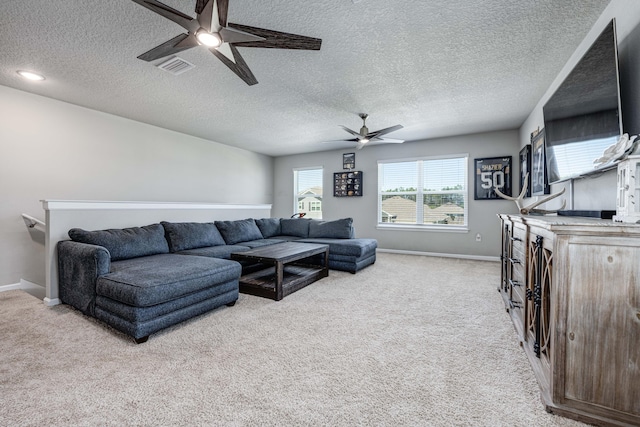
(364, 140)
(208, 39)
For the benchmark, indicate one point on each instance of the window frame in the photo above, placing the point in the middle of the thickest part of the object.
(296, 202)
(420, 194)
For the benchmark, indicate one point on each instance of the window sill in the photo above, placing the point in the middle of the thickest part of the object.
(430, 227)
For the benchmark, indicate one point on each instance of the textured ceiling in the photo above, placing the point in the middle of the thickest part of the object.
(438, 67)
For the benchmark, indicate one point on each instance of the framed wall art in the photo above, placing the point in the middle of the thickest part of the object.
(347, 184)
(492, 173)
(539, 180)
(525, 168)
(349, 161)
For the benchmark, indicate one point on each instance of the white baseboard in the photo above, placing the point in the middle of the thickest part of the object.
(11, 287)
(436, 254)
(51, 302)
(30, 287)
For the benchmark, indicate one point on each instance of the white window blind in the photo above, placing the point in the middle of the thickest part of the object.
(424, 192)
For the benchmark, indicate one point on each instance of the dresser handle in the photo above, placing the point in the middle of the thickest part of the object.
(514, 260)
(515, 239)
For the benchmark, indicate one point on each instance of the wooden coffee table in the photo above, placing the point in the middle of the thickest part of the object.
(288, 267)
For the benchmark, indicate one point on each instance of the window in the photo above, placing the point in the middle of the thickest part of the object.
(427, 192)
(307, 188)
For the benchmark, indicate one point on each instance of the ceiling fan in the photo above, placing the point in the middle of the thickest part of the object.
(364, 137)
(211, 30)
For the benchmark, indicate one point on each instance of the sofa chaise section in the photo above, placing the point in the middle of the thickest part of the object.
(129, 279)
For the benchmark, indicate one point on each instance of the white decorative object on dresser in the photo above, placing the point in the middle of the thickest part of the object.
(628, 199)
(572, 288)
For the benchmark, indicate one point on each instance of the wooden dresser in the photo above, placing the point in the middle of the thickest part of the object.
(572, 288)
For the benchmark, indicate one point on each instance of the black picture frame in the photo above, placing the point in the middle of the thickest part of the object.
(492, 173)
(525, 168)
(347, 184)
(349, 161)
(539, 179)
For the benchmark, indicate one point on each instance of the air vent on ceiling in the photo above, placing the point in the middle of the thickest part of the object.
(176, 65)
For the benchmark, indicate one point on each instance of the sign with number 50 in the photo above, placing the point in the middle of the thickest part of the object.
(492, 173)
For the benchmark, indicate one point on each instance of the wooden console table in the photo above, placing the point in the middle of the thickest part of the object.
(572, 288)
(288, 267)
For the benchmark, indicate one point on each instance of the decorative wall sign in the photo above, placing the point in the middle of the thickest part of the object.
(525, 168)
(492, 173)
(347, 184)
(349, 161)
(539, 180)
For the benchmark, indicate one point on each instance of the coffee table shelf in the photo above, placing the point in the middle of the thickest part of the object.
(289, 267)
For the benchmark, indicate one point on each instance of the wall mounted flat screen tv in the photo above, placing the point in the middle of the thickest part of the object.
(583, 117)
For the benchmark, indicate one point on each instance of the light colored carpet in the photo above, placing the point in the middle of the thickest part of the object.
(409, 341)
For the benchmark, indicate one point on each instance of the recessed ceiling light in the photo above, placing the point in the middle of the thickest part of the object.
(30, 76)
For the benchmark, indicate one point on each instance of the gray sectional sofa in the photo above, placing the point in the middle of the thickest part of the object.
(140, 280)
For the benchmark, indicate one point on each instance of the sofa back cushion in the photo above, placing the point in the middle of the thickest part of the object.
(269, 227)
(191, 235)
(242, 230)
(125, 243)
(338, 229)
(295, 227)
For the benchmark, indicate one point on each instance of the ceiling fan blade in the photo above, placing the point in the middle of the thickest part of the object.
(206, 15)
(277, 39)
(385, 131)
(352, 132)
(177, 44)
(386, 141)
(185, 21)
(223, 9)
(239, 67)
(339, 140)
(229, 35)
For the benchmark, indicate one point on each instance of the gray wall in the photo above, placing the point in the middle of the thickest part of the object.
(54, 150)
(599, 192)
(482, 213)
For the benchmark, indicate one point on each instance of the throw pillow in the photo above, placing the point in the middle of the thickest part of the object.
(338, 229)
(298, 227)
(191, 235)
(125, 243)
(242, 230)
(269, 227)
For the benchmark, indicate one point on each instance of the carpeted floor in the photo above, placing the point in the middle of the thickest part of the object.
(410, 341)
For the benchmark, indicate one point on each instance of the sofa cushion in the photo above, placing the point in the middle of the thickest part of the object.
(190, 235)
(349, 247)
(125, 243)
(242, 230)
(338, 229)
(261, 242)
(269, 227)
(222, 251)
(295, 227)
(143, 282)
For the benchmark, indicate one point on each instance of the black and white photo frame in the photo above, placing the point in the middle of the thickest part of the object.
(525, 169)
(349, 161)
(539, 180)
